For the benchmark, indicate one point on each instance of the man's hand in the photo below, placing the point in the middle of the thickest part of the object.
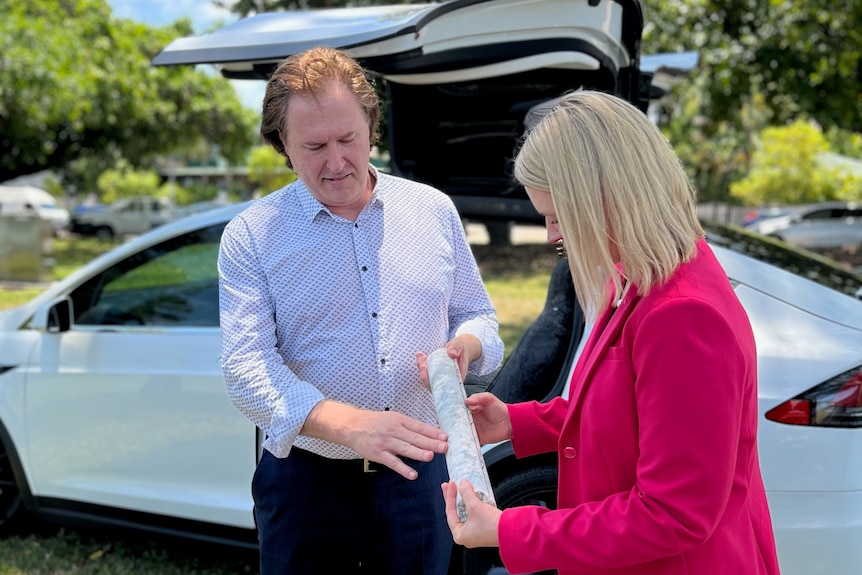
(464, 349)
(483, 519)
(381, 436)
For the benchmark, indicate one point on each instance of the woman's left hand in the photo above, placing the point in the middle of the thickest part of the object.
(480, 529)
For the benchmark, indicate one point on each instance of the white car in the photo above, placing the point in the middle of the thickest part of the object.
(817, 226)
(26, 200)
(113, 407)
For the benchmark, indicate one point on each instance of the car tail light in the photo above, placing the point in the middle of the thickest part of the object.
(834, 403)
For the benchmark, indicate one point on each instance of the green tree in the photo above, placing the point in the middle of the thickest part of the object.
(785, 169)
(78, 93)
(267, 170)
(762, 63)
(803, 57)
(125, 182)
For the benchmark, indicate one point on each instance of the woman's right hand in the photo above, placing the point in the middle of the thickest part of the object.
(491, 417)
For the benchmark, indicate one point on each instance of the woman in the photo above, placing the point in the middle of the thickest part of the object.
(657, 441)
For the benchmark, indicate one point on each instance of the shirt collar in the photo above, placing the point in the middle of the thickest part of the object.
(311, 206)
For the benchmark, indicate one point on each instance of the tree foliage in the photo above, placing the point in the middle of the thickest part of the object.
(78, 93)
(125, 182)
(785, 168)
(802, 57)
(268, 170)
(762, 63)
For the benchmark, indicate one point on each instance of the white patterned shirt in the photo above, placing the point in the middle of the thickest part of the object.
(316, 306)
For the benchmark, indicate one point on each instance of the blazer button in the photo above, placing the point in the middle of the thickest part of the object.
(570, 452)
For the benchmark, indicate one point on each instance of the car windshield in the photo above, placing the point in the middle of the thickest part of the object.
(800, 262)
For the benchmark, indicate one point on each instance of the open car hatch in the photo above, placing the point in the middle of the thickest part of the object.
(457, 77)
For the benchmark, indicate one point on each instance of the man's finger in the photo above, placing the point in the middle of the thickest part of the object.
(403, 469)
(422, 429)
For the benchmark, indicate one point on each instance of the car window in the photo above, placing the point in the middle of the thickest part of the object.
(825, 214)
(788, 258)
(174, 283)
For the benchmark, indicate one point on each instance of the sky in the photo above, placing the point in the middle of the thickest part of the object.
(205, 17)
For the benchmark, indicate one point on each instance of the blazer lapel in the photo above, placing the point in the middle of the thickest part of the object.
(605, 334)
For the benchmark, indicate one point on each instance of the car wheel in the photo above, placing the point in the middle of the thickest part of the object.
(104, 233)
(11, 506)
(531, 486)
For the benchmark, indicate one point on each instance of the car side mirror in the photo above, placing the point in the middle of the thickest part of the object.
(56, 316)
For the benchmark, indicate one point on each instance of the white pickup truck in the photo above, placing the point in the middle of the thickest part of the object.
(127, 216)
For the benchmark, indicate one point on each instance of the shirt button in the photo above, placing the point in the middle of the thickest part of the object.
(374, 314)
(570, 452)
(383, 360)
(365, 268)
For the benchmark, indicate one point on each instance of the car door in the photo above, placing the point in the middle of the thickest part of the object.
(133, 217)
(823, 228)
(127, 408)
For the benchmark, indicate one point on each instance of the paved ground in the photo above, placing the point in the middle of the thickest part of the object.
(477, 235)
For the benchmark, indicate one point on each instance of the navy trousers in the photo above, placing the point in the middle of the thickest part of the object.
(319, 515)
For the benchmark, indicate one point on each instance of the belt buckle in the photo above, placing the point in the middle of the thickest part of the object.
(367, 466)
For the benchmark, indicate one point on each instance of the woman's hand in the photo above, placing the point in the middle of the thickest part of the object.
(480, 529)
(491, 417)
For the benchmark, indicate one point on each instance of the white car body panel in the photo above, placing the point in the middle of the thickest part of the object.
(133, 418)
(805, 335)
(426, 29)
(126, 416)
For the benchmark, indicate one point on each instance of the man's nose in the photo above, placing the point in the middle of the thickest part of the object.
(334, 158)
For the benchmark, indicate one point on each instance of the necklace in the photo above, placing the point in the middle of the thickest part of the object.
(626, 286)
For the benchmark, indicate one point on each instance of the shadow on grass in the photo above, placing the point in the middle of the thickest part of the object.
(44, 548)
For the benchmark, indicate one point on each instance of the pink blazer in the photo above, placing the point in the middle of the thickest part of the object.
(657, 443)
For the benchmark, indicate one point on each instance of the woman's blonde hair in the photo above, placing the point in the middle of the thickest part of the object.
(614, 180)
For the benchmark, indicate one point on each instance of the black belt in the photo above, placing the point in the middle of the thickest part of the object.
(339, 465)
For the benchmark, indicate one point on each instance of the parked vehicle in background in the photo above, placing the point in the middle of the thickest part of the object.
(754, 217)
(126, 216)
(28, 200)
(818, 226)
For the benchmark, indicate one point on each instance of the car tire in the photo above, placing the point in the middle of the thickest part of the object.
(104, 233)
(531, 486)
(11, 504)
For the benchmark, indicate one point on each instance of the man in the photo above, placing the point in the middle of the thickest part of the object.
(329, 288)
